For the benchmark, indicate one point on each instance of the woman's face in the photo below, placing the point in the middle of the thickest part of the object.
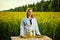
(29, 12)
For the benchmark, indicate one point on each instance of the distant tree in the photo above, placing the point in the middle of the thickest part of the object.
(25, 7)
(54, 5)
(42, 5)
(45, 6)
(38, 6)
(34, 7)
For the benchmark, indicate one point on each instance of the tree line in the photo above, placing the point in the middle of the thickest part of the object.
(42, 6)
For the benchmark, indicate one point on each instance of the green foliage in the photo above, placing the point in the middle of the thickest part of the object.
(14, 29)
(4, 31)
(57, 36)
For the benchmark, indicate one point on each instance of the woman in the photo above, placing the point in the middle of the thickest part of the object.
(28, 24)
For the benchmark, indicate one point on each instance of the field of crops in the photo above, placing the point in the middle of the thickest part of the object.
(48, 22)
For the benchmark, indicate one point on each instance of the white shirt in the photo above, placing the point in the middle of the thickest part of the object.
(25, 26)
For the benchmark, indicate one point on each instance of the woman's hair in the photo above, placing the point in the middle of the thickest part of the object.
(28, 11)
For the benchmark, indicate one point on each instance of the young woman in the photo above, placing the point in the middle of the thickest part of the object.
(28, 24)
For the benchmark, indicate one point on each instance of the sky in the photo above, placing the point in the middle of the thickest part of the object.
(8, 4)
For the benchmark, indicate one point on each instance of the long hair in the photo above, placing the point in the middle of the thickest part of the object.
(28, 11)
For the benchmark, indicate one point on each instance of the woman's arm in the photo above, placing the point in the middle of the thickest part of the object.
(22, 29)
(36, 28)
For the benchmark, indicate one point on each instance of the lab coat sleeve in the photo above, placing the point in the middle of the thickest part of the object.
(36, 28)
(22, 28)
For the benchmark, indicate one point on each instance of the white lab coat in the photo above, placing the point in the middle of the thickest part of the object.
(25, 26)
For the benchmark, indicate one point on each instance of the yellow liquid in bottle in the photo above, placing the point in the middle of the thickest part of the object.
(32, 34)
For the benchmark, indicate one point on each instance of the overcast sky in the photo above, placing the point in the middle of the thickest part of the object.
(8, 4)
